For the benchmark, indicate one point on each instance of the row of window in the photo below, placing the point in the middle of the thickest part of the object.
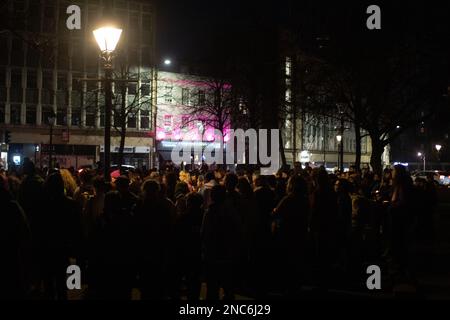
(187, 96)
(76, 115)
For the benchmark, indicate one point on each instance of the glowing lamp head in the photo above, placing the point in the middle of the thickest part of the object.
(419, 154)
(107, 38)
(167, 62)
(438, 147)
(339, 138)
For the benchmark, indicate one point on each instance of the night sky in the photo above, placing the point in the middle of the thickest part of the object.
(189, 30)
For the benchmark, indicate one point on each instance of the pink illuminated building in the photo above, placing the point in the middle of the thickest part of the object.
(177, 97)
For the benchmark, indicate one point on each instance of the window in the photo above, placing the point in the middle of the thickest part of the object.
(16, 79)
(146, 29)
(184, 122)
(288, 95)
(2, 113)
(31, 79)
(145, 119)
(50, 19)
(61, 115)
(17, 52)
(90, 116)
(185, 96)
(32, 95)
(15, 113)
(31, 114)
(132, 121)
(168, 94)
(146, 56)
(34, 16)
(47, 111)
(288, 66)
(132, 88)
(4, 44)
(168, 123)
(47, 80)
(63, 55)
(145, 89)
(201, 97)
(77, 55)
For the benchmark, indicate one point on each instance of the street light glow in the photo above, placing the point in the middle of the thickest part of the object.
(438, 147)
(107, 38)
(167, 62)
(419, 154)
(339, 138)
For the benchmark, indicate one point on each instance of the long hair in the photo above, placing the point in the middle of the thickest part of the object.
(69, 182)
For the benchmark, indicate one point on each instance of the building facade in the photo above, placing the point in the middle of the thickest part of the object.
(177, 121)
(43, 67)
(309, 138)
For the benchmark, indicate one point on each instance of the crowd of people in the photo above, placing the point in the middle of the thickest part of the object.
(166, 232)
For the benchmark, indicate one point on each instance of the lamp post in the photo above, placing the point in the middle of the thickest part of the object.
(420, 154)
(340, 153)
(51, 122)
(107, 39)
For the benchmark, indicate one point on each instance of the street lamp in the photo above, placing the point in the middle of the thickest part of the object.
(438, 148)
(420, 154)
(107, 39)
(167, 62)
(340, 153)
(51, 122)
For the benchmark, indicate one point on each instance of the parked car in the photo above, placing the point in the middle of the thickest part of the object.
(441, 177)
(125, 168)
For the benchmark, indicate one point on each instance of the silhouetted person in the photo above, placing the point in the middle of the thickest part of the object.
(263, 254)
(58, 232)
(117, 258)
(155, 215)
(15, 242)
(323, 223)
(344, 218)
(292, 214)
(220, 242)
(402, 213)
(189, 244)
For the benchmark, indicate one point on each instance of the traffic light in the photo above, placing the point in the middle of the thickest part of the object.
(7, 136)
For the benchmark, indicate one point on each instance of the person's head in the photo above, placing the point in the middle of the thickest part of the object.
(218, 194)
(219, 174)
(244, 187)
(321, 180)
(55, 184)
(194, 201)
(170, 179)
(231, 181)
(181, 189)
(99, 185)
(150, 189)
(209, 176)
(86, 177)
(297, 185)
(342, 186)
(259, 180)
(122, 184)
(399, 175)
(28, 167)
